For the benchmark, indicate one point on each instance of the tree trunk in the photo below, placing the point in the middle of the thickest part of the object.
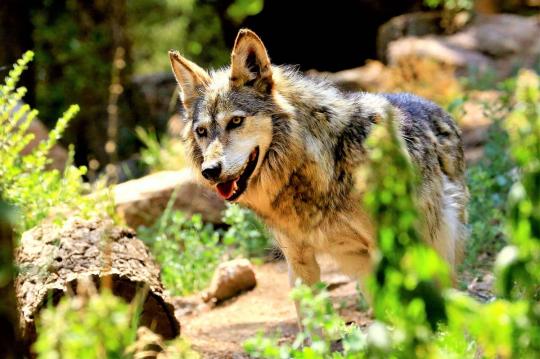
(53, 260)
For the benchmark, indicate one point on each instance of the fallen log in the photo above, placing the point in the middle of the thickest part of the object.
(53, 260)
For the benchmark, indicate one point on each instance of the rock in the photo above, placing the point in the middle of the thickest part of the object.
(370, 77)
(490, 42)
(411, 24)
(437, 49)
(498, 35)
(478, 114)
(54, 260)
(142, 201)
(230, 278)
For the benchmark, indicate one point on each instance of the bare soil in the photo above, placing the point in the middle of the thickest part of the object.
(219, 331)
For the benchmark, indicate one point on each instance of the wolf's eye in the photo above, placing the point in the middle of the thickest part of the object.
(235, 122)
(201, 131)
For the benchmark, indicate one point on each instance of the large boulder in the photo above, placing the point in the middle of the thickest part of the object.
(406, 25)
(490, 42)
(142, 201)
(373, 76)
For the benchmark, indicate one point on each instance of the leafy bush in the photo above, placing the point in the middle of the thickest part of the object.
(318, 317)
(165, 154)
(194, 27)
(246, 233)
(489, 182)
(187, 250)
(76, 328)
(25, 180)
(98, 326)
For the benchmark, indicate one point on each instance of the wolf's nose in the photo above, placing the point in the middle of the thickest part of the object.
(212, 173)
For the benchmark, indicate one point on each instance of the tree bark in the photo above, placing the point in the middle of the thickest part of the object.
(52, 261)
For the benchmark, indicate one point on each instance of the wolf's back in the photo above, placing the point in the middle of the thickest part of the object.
(428, 130)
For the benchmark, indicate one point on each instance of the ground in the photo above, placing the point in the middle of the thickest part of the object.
(219, 332)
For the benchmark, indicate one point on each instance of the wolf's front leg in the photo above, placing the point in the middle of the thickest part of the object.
(302, 265)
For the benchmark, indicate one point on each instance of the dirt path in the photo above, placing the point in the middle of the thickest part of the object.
(219, 332)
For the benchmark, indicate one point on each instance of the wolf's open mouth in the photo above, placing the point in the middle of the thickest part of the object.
(232, 189)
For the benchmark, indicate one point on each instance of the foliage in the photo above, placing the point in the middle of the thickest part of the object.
(240, 9)
(187, 250)
(451, 11)
(246, 232)
(188, 25)
(489, 182)
(193, 27)
(518, 265)
(99, 325)
(160, 154)
(406, 286)
(454, 5)
(76, 328)
(318, 317)
(25, 180)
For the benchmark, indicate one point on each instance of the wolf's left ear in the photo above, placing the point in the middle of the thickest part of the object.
(190, 77)
(250, 64)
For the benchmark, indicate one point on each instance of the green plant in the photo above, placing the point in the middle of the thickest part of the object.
(187, 250)
(409, 276)
(193, 27)
(78, 327)
(451, 9)
(99, 325)
(160, 154)
(246, 233)
(518, 265)
(25, 180)
(489, 182)
(321, 324)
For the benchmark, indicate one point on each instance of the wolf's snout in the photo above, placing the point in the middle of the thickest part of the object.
(212, 172)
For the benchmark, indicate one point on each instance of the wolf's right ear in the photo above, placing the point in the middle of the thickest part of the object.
(190, 77)
(250, 64)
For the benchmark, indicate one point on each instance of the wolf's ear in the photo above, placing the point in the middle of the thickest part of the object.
(250, 64)
(190, 77)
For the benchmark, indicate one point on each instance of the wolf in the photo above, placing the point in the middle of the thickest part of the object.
(288, 147)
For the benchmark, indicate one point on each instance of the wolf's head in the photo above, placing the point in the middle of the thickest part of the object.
(230, 115)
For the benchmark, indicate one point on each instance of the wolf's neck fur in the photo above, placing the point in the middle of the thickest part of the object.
(317, 145)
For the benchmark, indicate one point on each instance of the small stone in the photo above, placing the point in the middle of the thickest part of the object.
(230, 279)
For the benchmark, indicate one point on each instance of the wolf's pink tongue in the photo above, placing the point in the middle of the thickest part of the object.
(226, 189)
